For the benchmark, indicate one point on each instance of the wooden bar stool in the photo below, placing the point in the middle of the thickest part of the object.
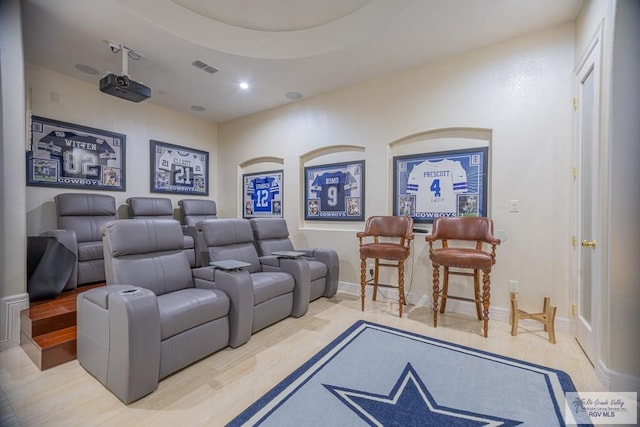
(392, 236)
(470, 229)
(547, 317)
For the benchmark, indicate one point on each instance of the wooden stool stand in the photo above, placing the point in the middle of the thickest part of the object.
(547, 317)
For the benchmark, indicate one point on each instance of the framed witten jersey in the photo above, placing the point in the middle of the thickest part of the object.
(441, 184)
(334, 192)
(262, 195)
(179, 170)
(73, 156)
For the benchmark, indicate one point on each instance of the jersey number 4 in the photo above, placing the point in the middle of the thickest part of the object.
(435, 187)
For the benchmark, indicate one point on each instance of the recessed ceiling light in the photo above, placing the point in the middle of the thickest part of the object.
(198, 108)
(244, 85)
(87, 69)
(293, 95)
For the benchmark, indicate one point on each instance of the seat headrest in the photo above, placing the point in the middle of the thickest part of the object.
(150, 206)
(198, 207)
(269, 228)
(85, 204)
(227, 231)
(143, 236)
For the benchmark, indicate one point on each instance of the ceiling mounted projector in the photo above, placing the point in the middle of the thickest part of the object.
(125, 88)
(121, 85)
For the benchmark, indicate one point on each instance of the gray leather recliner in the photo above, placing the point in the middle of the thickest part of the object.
(193, 211)
(160, 208)
(156, 315)
(272, 234)
(281, 286)
(80, 217)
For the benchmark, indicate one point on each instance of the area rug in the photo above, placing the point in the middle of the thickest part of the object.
(380, 376)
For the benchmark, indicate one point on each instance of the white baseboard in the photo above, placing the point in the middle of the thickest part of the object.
(10, 308)
(616, 381)
(500, 314)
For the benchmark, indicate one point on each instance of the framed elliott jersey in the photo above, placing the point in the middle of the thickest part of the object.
(447, 183)
(334, 192)
(73, 156)
(262, 195)
(179, 170)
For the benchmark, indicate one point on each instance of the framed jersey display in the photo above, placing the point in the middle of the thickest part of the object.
(262, 195)
(73, 156)
(334, 192)
(179, 170)
(447, 183)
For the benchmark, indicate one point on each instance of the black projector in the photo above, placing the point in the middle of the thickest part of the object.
(125, 88)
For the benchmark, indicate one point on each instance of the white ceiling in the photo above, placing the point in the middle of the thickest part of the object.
(278, 46)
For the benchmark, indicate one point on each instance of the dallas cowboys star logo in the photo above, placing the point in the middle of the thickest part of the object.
(410, 404)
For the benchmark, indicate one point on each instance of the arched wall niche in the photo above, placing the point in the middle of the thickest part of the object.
(325, 156)
(438, 140)
(255, 165)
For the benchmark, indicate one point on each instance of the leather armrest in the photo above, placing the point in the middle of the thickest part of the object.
(204, 273)
(270, 260)
(299, 269)
(329, 257)
(119, 339)
(69, 240)
(239, 287)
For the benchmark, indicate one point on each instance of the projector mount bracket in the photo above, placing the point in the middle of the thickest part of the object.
(126, 54)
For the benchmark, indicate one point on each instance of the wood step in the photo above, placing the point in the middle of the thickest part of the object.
(48, 329)
(51, 349)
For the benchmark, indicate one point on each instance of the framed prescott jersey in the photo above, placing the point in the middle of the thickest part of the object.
(334, 192)
(262, 194)
(74, 156)
(446, 183)
(179, 170)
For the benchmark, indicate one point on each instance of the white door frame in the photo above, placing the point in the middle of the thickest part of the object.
(587, 333)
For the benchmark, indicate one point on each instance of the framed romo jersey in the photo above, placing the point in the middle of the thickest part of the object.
(73, 156)
(335, 192)
(262, 195)
(179, 170)
(447, 183)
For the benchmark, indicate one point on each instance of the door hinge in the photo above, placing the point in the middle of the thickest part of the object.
(575, 103)
(575, 173)
(573, 309)
(574, 241)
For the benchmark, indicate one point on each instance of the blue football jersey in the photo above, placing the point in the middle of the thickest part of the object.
(263, 191)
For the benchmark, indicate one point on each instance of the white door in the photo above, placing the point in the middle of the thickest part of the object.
(588, 194)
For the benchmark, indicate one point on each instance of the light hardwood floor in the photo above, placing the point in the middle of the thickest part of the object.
(216, 389)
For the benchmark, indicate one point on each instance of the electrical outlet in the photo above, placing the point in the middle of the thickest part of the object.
(513, 285)
(370, 270)
(514, 206)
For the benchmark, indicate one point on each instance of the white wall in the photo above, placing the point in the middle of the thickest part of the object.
(624, 342)
(12, 171)
(82, 103)
(519, 90)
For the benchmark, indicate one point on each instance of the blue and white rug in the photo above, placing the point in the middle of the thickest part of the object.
(374, 375)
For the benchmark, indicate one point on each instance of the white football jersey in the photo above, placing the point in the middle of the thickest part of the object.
(436, 184)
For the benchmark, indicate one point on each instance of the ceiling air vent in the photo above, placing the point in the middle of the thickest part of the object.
(204, 67)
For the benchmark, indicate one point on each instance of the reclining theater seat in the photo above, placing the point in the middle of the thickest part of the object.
(193, 211)
(80, 216)
(271, 235)
(155, 316)
(280, 286)
(159, 208)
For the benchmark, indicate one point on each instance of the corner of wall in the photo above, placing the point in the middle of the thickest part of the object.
(10, 308)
